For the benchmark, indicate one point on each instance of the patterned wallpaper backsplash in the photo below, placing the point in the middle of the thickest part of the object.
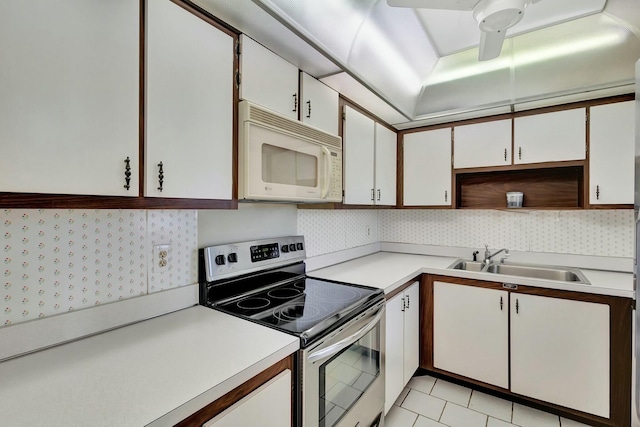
(56, 260)
(590, 232)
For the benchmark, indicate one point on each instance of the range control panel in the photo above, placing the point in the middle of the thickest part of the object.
(230, 260)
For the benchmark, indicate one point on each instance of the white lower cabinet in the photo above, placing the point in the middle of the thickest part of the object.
(547, 348)
(267, 406)
(471, 332)
(402, 341)
(560, 352)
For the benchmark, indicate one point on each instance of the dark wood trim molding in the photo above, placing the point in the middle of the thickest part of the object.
(219, 405)
(401, 288)
(620, 353)
(73, 201)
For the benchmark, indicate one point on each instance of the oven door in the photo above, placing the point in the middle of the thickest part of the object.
(284, 167)
(343, 375)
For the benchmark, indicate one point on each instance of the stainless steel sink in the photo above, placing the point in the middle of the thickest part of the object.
(545, 272)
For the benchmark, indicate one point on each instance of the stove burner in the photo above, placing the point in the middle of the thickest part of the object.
(299, 285)
(295, 311)
(284, 293)
(346, 294)
(253, 303)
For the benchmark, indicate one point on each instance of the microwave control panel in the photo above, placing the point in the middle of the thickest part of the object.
(335, 184)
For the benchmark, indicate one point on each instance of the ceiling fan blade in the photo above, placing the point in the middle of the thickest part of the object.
(435, 4)
(490, 44)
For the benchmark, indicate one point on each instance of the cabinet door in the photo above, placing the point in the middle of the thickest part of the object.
(427, 168)
(385, 165)
(358, 158)
(611, 153)
(189, 105)
(482, 144)
(471, 332)
(550, 137)
(267, 79)
(69, 96)
(267, 406)
(319, 106)
(394, 350)
(560, 352)
(411, 331)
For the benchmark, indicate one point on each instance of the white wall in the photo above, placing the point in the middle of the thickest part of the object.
(251, 221)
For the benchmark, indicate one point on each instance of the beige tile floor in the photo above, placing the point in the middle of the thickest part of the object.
(428, 402)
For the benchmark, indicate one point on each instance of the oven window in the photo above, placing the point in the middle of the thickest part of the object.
(282, 166)
(346, 376)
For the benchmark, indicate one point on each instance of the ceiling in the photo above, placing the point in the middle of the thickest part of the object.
(420, 66)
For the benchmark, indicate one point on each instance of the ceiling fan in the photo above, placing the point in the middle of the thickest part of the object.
(493, 17)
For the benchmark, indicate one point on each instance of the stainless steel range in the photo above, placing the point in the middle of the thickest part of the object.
(339, 367)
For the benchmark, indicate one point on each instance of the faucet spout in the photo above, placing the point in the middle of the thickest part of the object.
(488, 256)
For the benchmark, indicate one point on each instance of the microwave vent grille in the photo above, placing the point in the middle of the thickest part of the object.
(259, 115)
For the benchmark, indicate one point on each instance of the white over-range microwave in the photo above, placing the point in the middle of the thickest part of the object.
(284, 160)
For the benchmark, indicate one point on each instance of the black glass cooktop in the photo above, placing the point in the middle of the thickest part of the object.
(304, 307)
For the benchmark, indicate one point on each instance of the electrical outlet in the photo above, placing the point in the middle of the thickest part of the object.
(161, 256)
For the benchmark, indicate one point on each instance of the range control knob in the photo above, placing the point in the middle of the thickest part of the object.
(285, 248)
(299, 246)
(232, 257)
(220, 260)
(292, 247)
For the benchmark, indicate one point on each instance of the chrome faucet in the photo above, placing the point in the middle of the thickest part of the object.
(488, 256)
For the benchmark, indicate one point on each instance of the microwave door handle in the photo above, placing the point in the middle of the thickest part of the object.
(346, 342)
(326, 179)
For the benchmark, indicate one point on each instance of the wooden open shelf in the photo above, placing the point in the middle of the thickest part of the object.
(559, 187)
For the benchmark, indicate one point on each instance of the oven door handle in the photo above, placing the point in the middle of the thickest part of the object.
(346, 342)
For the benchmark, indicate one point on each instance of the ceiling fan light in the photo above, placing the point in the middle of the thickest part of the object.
(496, 15)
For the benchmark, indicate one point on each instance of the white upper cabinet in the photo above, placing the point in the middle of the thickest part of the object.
(427, 168)
(385, 165)
(268, 80)
(189, 105)
(550, 137)
(69, 96)
(482, 144)
(358, 158)
(611, 153)
(560, 352)
(319, 104)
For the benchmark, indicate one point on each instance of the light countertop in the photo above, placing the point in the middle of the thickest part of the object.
(389, 270)
(135, 375)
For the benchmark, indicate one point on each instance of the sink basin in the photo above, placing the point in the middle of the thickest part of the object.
(525, 270)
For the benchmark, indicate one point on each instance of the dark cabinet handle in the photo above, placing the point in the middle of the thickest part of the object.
(378, 194)
(160, 176)
(408, 302)
(505, 154)
(500, 303)
(309, 109)
(373, 194)
(404, 305)
(597, 192)
(519, 153)
(127, 173)
(295, 102)
(446, 196)
(517, 306)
